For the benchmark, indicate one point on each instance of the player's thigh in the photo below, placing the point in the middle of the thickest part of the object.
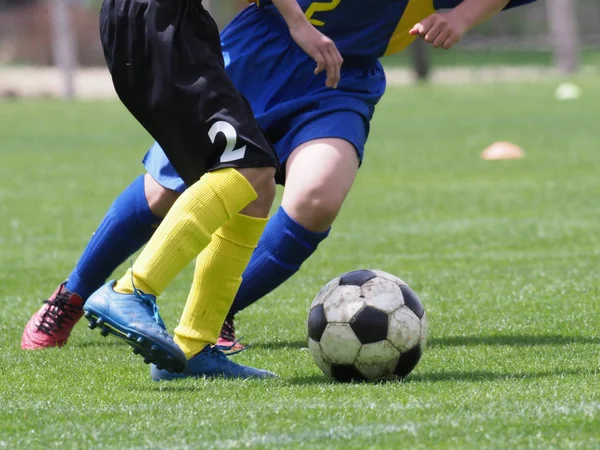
(319, 176)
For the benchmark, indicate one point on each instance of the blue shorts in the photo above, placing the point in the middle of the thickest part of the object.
(291, 104)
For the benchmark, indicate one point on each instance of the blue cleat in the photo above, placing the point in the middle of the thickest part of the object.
(135, 319)
(211, 362)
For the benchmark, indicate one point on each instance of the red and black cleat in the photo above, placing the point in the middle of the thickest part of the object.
(227, 341)
(51, 325)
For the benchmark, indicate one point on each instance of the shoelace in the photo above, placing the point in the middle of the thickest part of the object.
(220, 349)
(141, 295)
(59, 310)
(227, 348)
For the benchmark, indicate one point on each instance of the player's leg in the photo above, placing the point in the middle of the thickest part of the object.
(218, 197)
(319, 176)
(328, 144)
(127, 225)
(160, 198)
(319, 172)
(186, 116)
(217, 278)
(225, 202)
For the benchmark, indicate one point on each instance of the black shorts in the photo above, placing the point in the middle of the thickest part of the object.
(167, 68)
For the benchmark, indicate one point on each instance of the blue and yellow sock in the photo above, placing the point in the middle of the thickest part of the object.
(127, 226)
(283, 247)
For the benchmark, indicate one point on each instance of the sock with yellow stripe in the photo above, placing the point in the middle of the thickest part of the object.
(187, 229)
(217, 278)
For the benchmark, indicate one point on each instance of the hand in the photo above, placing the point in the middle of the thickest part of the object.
(320, 48)
(441, 29)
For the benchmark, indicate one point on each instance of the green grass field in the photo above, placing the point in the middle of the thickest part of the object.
(504, 255)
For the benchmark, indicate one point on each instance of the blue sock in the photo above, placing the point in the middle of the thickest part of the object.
(283, 247)
(127, 226)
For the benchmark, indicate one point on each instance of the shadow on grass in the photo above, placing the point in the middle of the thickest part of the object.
(475, 376)
(309, 380)
(276, 345)
(511, 340)
(195, 385)
(519, 340)
(175, 386)
(104, 343)
(472, 376)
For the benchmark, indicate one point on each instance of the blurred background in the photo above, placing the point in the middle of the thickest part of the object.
(51, 47)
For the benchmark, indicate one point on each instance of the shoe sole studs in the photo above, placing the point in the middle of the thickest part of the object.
(140, 345)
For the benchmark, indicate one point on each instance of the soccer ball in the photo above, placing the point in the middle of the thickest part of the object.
(367, 325)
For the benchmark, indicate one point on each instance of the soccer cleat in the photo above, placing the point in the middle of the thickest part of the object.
(134, 318)
(227, 336)
(52, 324)
(211, 362)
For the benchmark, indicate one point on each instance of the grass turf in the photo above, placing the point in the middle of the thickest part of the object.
(503, 254)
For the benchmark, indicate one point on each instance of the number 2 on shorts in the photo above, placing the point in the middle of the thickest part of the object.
(226, 129)
(316, 7)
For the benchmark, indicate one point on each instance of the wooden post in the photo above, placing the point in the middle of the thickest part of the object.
(419, 52)
(63, 45)
(564, 33)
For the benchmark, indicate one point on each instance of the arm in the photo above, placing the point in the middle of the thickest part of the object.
(318, 46)
(291, 13)
(447, 29)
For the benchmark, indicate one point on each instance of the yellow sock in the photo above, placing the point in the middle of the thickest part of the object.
(186, 230)
(217, 279)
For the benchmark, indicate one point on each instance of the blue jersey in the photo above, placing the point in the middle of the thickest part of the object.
(291, 104)
(371, 27)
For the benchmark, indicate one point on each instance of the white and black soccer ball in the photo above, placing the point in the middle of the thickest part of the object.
(367, 325)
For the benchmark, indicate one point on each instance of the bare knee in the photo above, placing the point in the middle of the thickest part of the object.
(315, 209)
(262, 180)
(320, 174)
(159, 198)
